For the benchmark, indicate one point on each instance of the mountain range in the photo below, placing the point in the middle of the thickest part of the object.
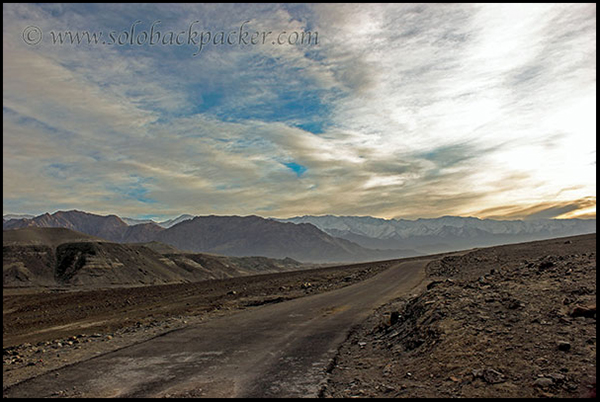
(225, 235)
(308, 238)
(443, 234)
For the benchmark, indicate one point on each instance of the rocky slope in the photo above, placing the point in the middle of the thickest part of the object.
(58, 257)
(512, 321)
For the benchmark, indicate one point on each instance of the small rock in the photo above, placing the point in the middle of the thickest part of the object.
(387, 369)
(543, 382)
(515, 304)
(565, 320)
(564, 346)
(394, 317)
(571, 386)
(492, 376)
(387, 389)
(584, 311)
(232, 292)
(545, 265)
(557, 377)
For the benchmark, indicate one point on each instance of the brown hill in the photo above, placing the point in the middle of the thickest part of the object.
(44, 236)
(57, 256)
(142, 232)
(253, 235)
(109, 227)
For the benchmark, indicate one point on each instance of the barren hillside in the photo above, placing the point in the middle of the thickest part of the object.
(510, 321)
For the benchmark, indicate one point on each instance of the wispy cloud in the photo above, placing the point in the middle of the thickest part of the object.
(399, 111)
(582, 208)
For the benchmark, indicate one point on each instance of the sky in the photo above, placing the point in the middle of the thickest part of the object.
(392, 111)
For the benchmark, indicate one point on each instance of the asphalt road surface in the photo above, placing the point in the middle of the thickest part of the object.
(277, 350)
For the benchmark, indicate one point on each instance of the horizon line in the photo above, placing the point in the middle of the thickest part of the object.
(156, 219)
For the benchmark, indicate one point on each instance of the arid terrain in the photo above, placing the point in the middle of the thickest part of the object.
(507, 321)
(48, 329)
(510, 321)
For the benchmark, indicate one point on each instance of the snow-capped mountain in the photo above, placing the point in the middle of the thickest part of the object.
(443, 234)
(8, 217)
(164, 224)
(175, 221)
(132, 222)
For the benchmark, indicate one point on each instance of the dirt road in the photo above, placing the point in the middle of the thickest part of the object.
(274, 350)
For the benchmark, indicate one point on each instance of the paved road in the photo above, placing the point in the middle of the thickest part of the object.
(279, 350)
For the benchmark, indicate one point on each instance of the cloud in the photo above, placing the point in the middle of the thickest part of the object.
(399, 111)
(581, 208)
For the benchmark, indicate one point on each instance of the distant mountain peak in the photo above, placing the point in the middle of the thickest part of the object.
(446, 233)
(171, 222)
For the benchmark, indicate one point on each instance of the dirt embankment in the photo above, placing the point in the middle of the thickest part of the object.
(510, 321)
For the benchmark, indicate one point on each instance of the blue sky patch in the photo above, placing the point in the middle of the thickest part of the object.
(296, 168)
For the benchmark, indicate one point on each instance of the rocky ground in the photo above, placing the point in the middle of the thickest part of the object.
(510, 321)
(46, 330)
